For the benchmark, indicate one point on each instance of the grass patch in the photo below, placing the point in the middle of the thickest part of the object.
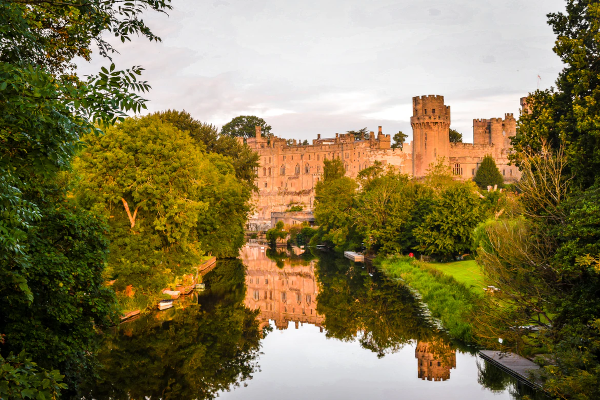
(448, 299)
(466, 272)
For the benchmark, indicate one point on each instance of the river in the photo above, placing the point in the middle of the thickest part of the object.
(284, 325)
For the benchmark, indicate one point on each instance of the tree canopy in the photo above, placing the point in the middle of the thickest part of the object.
(399, 139)
(361, 134)
(244, 126)
(488, 174)
(455, 136)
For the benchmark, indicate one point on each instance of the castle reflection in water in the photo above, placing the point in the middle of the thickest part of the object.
(282, 294)
(289, 293)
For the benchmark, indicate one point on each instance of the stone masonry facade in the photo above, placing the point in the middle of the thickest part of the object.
(288, 174)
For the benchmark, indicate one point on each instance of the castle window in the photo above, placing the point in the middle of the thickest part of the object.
(256, 295)
(503, 172)
(282, 170)
(424, 111)
(318, 169)
(269, 171)
(302, 156)
(299, 298)
(265, 184)
(306, 169)
(297, 169)
(457, 170)
(266, 281)
(269, 160)
(264, 172)
(473, 172)
(283, 297)
(283, 158)
(347, 155)
(510, 171)
(308, 299)
(433, 110)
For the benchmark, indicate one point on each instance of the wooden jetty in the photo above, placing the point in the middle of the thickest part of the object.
(515, 365)
(356, 257)
(206, 265)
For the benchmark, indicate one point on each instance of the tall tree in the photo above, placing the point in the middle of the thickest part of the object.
(399, 139)
(45, 107)
(455, 136)
(244, 159)
(361, 134)
(488, 174)
(244, 126)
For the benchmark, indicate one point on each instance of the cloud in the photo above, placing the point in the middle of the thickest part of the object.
(323, 67)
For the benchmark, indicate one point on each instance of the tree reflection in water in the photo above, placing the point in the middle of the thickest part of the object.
(189, 353)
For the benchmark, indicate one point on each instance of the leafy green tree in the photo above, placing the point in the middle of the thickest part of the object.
(305, 143)
(243, 158)
(399, 139)
(333, 169)
(276, 233)
(361, 134)
(244, 126)
(383, 211)
(334, 203)
(51, 252)
(455, 136)
(571, 113)
(21, 378)
(146, 177)
(447, 229)
(488, 174)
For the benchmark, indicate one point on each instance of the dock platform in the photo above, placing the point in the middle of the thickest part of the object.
(515, 365)
(356, 257)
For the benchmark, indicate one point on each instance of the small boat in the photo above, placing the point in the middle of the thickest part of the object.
(164, 304)
(199, 286)
(130, 315)
(173, 293)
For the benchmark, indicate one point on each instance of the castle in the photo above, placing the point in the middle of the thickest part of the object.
(288, 173)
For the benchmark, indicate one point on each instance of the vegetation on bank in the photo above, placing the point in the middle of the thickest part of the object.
(448, 300)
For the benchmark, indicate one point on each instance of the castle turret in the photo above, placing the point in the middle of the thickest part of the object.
(431, 132)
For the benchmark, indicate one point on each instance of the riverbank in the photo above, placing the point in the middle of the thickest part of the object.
(131, 300)
(449, 300)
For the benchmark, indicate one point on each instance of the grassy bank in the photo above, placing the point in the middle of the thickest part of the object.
(448, 299)
(466, 272)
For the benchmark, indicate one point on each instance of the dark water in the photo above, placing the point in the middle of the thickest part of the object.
(293, 327)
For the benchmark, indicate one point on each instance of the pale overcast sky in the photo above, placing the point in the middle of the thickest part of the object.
(328, 66)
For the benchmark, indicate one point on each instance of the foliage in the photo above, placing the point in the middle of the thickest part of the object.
(52, 253)
(488, 174)
(447, 229)
(450, 301)
(146, 177)
(243, 158)
(193, 353)
(455, 136)
(361, 134)
(21, 378)
(334, 207)
(244, 126)
(399, 139)
(382, 312)
(276, 233)
(571, 113)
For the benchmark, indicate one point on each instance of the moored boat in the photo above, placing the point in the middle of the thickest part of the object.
(164, 304)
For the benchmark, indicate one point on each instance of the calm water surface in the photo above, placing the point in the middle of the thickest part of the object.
(294, 326)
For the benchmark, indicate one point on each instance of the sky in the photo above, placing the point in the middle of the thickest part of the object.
(321, 67)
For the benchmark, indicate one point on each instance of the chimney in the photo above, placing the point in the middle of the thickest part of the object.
(257, 132)
(318, 136)
(379, 133)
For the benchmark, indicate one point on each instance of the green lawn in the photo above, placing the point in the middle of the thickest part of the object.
(465, 272)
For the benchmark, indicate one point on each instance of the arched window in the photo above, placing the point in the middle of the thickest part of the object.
(264, 172)
(297, 171)
(306, 168)
(457, 170)
(269, 171)
(282, 170)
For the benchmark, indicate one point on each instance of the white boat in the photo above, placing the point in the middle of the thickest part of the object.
(164, 304)
(356, 257)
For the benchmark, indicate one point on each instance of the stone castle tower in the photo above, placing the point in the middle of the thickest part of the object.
(431, 132)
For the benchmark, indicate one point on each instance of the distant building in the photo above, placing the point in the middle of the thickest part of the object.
(435, 360)
(288, 174)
